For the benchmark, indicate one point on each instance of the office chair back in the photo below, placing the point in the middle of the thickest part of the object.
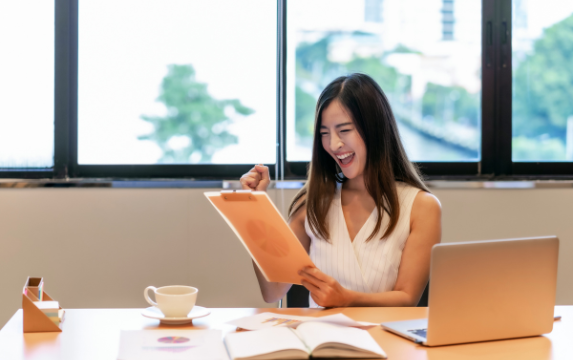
(424, 299)
(297, 297)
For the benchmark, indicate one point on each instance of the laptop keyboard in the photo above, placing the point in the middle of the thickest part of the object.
(419, 332)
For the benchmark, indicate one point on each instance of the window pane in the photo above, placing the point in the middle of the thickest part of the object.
(177, 82)
(425, 54)
(27, 84)
(542, 80)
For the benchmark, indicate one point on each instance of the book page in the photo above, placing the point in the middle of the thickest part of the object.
(250, 344)
(315, 334)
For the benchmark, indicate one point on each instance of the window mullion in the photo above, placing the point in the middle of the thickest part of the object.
(503, 83)
(65, 89)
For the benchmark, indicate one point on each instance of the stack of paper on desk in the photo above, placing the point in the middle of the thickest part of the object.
(309, 339)
(269, 320)
(51, 309)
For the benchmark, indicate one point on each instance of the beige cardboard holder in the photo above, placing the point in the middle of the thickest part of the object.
(34, 319)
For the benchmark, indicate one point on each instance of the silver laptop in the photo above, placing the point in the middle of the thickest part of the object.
(487, 290)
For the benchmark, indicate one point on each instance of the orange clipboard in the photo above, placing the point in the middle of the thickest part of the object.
(265, 234)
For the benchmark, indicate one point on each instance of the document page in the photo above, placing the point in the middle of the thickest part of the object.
(270, 320)
(172, 345)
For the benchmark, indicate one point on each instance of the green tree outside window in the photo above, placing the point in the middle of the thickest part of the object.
(194, 116)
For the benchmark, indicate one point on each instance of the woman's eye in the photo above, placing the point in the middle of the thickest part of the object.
(323, 134)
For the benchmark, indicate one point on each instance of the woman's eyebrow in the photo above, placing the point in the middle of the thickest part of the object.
(338, 125)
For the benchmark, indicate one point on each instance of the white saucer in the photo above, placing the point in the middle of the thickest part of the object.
(155, 313)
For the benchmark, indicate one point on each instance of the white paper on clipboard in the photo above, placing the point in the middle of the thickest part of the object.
(267, 237)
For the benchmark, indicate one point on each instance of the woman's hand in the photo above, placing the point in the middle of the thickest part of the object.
(256, 179)
(324, 290)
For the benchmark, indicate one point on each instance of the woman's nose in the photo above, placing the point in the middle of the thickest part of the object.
(335, 143)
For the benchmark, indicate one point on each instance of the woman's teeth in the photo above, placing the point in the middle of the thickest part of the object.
(345, 158)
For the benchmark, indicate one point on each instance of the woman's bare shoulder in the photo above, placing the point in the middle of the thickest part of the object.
(426, 208)
(427, 201)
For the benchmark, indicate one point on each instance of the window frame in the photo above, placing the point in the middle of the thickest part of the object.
(76, 170)
(522, 169)
(482, 169)
(496, 122)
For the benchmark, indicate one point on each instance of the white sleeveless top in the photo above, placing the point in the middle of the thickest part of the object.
(368, 267)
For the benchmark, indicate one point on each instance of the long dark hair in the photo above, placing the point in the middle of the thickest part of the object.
(386, 159)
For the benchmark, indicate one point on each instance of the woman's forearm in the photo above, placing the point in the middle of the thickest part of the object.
(271, 291)
(389, 298)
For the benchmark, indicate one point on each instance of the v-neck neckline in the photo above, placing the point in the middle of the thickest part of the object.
(341, 213)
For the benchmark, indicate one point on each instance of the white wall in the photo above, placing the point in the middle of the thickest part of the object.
(100, 247)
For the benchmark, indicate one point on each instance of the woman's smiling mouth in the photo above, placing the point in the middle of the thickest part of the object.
(345, 159)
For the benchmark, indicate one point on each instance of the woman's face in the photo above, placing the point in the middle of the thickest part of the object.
(341, 140)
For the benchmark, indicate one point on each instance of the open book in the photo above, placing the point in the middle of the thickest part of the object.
(311, 338)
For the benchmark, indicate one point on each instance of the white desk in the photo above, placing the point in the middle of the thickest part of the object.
(94, 334)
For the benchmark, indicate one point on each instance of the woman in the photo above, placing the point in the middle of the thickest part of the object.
(359, 170)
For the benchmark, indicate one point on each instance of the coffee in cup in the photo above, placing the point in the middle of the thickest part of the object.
(173, 301)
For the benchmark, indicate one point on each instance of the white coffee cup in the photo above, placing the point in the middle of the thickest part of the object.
(173, 301)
